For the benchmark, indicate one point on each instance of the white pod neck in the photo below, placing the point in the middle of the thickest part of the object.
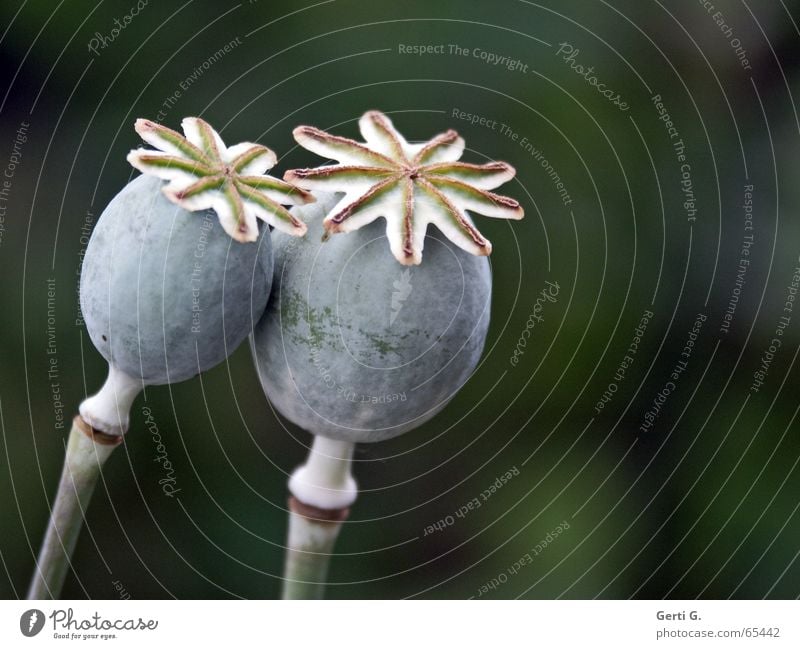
(325, 480)
(109, 410)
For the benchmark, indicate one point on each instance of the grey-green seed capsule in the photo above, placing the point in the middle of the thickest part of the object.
(355, 346)
(166, 293)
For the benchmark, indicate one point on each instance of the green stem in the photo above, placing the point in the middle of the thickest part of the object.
(322, 491)
(309, 548)
(87, 451)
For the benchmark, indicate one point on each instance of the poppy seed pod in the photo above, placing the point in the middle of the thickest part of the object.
(177, 272)
(166, 293)
(354, 346)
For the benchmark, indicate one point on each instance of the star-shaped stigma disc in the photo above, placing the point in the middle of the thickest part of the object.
(410, 185)
(205, 174)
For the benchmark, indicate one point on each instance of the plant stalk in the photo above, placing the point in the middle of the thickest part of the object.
(87, 451)
(96, 432)
(322, 491)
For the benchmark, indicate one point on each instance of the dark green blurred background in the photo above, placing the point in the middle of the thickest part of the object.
(703, 503)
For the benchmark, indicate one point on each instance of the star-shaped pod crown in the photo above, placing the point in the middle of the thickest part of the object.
(205, 174)
(410, 185)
